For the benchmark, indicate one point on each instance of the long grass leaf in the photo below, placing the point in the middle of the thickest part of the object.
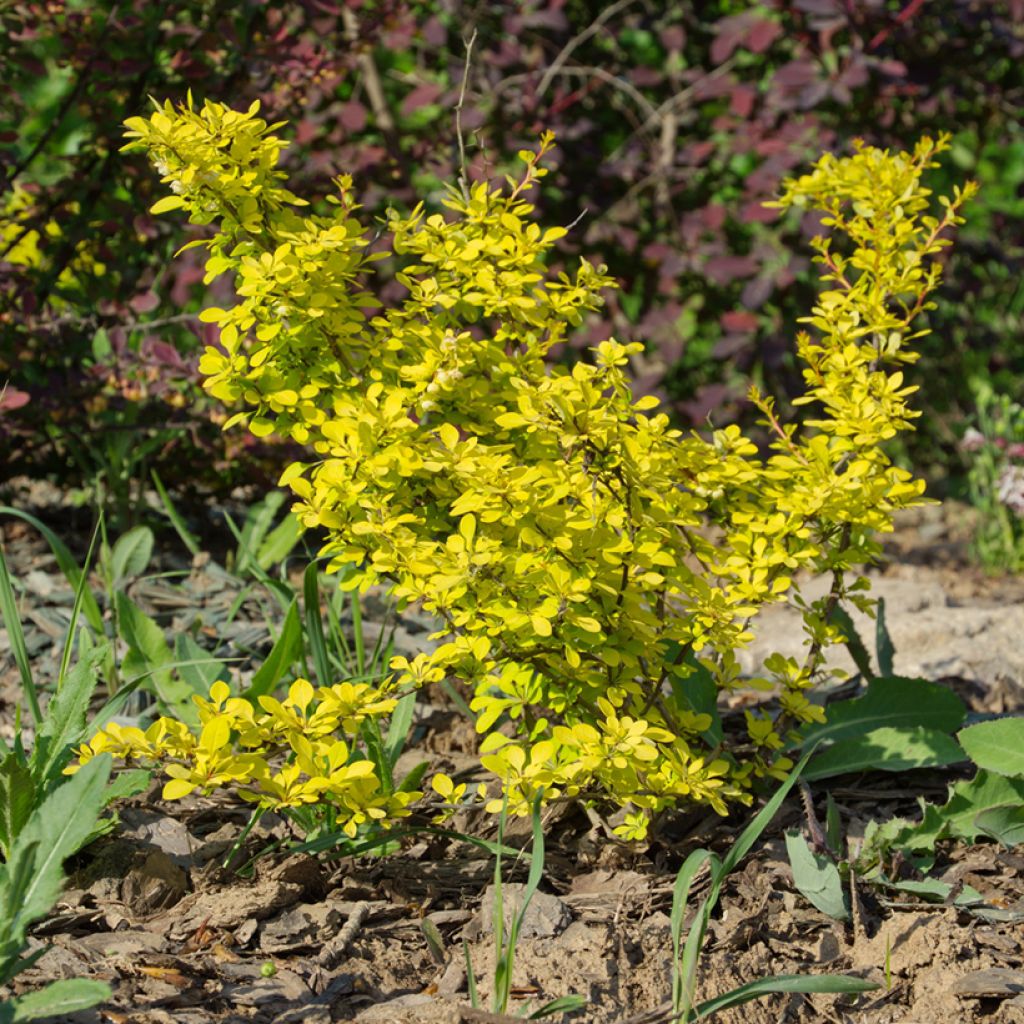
(16, 638)
(66, 562)
(813, 983)
(187, 537)
(315, 626)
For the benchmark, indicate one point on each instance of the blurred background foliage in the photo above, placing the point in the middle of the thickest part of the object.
(674, 123)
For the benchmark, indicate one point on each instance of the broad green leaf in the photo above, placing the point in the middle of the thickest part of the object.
(1003, 824)
(817, 877)
(126, 784)
(891, 702)
(399, 728)
(934, 889)
(148, 652)
(287, 649)
(886, 749)
(58, 827)
(697, 692)
(834, 983)
(131, 553)
(197, 668)
(60, 997)
(996, 746)
(279, 542)
(958, 818)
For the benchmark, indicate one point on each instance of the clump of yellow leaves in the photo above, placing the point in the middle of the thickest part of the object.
(590, 563)
(280, 755)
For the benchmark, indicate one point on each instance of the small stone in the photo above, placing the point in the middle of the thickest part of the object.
(545, 916)
(996, 982)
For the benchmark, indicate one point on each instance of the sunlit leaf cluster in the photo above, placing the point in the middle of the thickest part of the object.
(584, 557)
(279, 754)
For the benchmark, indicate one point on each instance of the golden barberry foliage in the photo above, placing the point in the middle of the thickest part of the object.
(584, 556)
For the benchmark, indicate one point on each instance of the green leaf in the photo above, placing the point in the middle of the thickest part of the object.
(817, 877)
(64, 724)
(60, 997)
(563, 1004)
(996, 746)
(126, 784)
(958, 818)
(12, 620)
(131, 553)
(1003, 824)
(833, 983)
(285, 652)
(842, 618)
(17, 799)
(314, 625)
(934, 889)
(148, 653)
(399, 727)
(187, 537)
(698, 693)
(886, 749)
(197, 668)
(31, 879)
(892, 702)
(67, 564)
(885, 650)
(280, 542)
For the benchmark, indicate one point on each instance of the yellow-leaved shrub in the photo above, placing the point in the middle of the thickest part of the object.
(595, 569)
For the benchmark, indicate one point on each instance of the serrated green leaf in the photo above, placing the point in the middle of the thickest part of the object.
(57, 828)
(996, 746)
(816, 877)
(64, 724)
(886, 749)
(60, 997)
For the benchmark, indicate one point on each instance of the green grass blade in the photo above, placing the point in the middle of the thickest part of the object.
(187, 537)
(76, 609)
(832, 983)
(315, 626)
(563, 1004)
(16, 638)
(66, 562)
(680, 898)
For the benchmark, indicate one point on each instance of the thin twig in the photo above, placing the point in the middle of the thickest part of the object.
(463, 169)
(566, 51)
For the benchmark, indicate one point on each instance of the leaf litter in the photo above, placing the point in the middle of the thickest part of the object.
(152, 911)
